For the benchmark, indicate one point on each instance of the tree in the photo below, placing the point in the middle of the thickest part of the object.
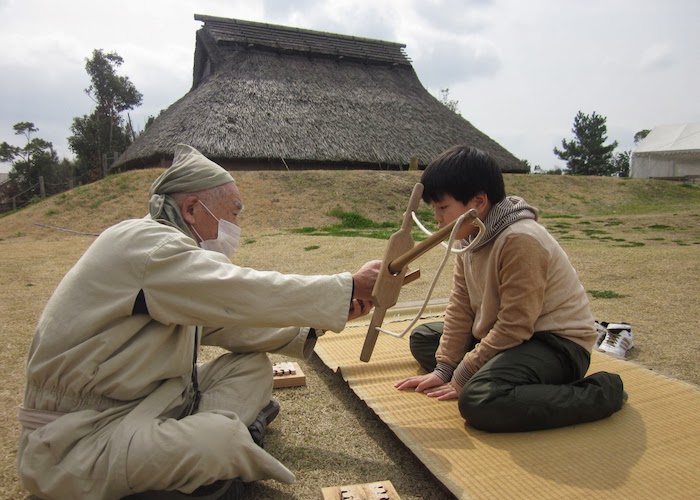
(10, 153)
(104, 131)
(540, 171)
(451, 104)
(35, 159)
(587, 154)
(639, 136)
(621, 164)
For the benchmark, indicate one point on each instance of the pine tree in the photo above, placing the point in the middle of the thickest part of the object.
(587, 153)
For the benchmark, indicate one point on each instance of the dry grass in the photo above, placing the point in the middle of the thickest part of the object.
(638, 239)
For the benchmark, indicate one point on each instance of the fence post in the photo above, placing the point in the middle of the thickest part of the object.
(14, 203)
(42, 189)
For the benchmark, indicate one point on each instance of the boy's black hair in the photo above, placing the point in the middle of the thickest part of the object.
(463, 172)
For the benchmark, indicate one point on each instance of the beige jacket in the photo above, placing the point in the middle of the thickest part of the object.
(114, 373)
(520, 282)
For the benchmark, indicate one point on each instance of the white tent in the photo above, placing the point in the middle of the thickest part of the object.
(669, 151)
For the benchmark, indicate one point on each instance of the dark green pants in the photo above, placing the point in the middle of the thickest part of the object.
(539, 384)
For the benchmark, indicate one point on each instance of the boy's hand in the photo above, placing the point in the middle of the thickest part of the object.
(420, 382)
(445, 392)
(431, 385)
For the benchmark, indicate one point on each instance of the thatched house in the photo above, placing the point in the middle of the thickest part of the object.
(275, 97)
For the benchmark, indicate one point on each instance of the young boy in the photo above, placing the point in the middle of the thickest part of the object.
(518, 331)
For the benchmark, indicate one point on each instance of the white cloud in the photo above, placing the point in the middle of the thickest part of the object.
(447, 62)
(656, 57)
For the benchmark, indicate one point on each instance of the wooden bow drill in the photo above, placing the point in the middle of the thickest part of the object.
(392, 276)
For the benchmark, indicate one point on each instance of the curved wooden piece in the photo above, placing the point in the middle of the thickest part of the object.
(434, 239)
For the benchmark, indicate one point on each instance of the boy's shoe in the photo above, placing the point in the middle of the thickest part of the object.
(602, 331)
(619, 340)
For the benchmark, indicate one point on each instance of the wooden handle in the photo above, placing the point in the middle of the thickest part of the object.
(411, 277)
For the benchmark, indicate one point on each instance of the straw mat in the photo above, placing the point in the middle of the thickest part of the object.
(649, 449)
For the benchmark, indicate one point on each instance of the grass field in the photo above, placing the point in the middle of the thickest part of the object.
(635, 243)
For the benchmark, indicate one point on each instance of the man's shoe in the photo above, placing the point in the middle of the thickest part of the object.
(231, 489)
(259, 427)
(224, 489)
(619, 340)
(270, 412)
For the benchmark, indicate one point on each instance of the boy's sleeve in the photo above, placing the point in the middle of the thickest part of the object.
(523, 266)
(457, 331)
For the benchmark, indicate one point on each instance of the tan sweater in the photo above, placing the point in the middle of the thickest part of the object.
(520, 282)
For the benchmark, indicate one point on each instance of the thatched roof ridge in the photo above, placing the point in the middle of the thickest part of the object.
(255, 108)
(288, 39)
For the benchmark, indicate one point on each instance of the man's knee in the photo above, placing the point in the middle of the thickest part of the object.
(256, 365)
(240, 383)
(263, 364)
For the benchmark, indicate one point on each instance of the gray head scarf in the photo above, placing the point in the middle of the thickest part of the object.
(191, 171)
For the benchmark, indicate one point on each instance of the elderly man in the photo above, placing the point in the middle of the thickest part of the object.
(115, 403)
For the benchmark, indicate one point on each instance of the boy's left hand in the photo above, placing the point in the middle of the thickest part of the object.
(445, 392)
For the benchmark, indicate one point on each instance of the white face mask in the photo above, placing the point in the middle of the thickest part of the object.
(227, 239)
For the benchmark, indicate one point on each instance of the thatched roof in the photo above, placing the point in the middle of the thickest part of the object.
(267, 96)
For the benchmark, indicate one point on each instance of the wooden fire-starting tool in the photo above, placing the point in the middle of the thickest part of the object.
(400, 252)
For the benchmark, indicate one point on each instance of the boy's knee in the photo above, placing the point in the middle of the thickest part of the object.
(418, 341)
(423, 352)
(478, 403)
(428, 332)
(423, 342)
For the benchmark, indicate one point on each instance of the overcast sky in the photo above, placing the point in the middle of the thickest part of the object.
(519, 69)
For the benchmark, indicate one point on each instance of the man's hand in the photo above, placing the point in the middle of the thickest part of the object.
(364, 279)
(359, 307)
